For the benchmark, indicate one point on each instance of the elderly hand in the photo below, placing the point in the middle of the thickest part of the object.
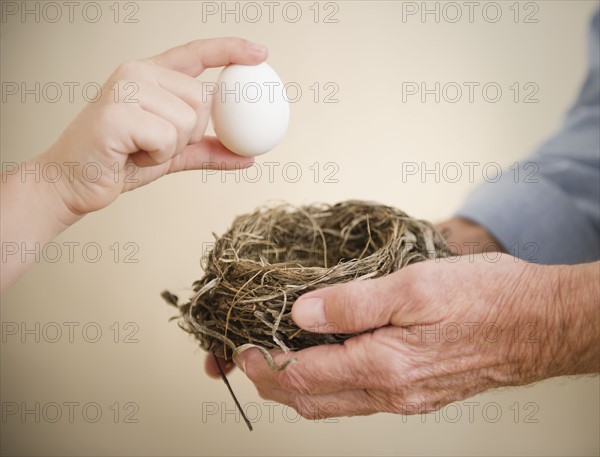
(436, 332)
(463, 237)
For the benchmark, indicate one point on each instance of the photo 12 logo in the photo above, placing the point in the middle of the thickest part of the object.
(70, 251)
(53, 172)
(271, 91)
(67, 91)
(69, 12)
(270, 12)
(70, 412)
(470, 12)
(271, 172)
(69, 332)
(468, 91)
(454, 172)
(490, 412)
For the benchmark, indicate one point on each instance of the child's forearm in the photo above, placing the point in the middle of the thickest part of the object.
(32, 213)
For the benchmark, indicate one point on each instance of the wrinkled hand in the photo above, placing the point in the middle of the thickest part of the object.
(463, 237)
(437, 332)
(149, 121)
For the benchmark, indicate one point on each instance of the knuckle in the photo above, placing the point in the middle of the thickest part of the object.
(123, 89)
(293, 381)
(416, 285)
(169, 134)
(367, 370)
(202, 107)
(194, 46)
(344, 310)
(188, 120)
(252, 373)
(166, 143)
(198, 98)
(130, 69)
(358, 304)
(236, 42)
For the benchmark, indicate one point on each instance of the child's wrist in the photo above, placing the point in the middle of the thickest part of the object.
(50, 193)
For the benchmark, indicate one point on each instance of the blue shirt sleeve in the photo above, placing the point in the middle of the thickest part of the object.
(549, 211)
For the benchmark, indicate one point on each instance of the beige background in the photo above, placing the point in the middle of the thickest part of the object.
(368, 134)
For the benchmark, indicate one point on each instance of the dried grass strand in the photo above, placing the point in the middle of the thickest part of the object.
(268, 258)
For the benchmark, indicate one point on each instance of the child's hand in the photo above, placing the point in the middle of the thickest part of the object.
(149, 121)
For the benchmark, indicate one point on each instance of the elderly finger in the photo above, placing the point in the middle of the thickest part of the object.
(356, 402)
(210, 366)
(318, 369)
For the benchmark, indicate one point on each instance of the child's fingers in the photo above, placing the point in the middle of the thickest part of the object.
(196, 56)
(208, 154)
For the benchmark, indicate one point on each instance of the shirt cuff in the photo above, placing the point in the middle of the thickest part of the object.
(534, 221)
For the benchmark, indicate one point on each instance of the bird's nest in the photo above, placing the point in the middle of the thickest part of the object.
(267, 259)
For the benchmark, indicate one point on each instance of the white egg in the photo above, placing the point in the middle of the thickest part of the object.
(250, 111)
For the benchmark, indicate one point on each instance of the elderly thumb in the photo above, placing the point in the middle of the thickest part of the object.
(351, 307)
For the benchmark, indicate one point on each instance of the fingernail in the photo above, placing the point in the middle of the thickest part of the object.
(309, 313)
(258, 47)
